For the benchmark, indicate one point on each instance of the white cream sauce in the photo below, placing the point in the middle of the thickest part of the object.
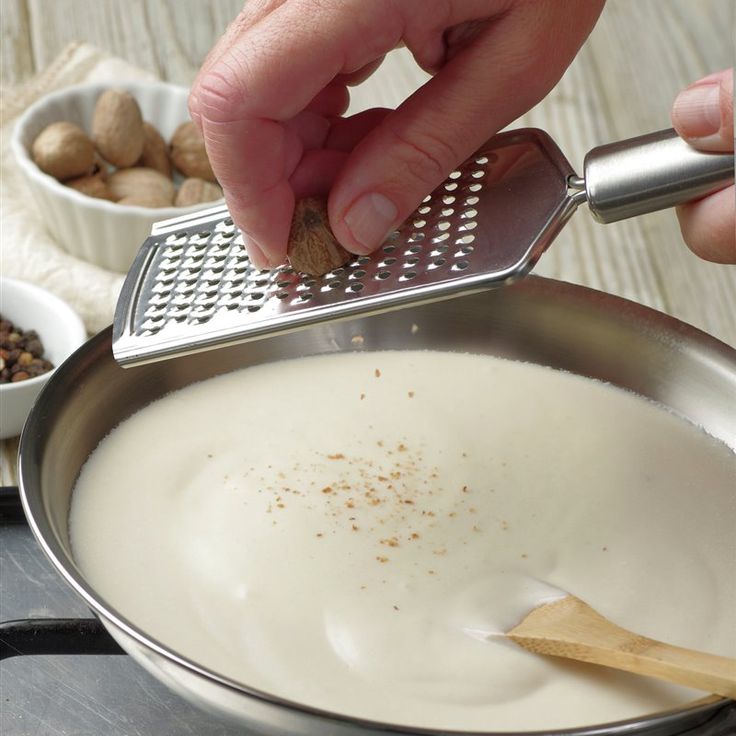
(344, 531)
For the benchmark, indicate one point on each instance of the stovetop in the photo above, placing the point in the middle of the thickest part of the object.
(78, 695)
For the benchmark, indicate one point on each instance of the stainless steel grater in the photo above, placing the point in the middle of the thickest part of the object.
(193, 288)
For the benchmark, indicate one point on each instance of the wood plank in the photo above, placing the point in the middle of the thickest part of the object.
(167, 37)
(16, 57)
(121, 28)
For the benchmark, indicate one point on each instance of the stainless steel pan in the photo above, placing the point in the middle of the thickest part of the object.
(537, 320)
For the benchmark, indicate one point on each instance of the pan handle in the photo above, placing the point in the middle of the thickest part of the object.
(649, 173)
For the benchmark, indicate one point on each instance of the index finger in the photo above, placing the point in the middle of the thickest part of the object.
(256, 85)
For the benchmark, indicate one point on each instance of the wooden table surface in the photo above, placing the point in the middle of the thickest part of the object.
(621, 84)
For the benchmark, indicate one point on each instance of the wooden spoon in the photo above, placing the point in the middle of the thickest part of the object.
(568, 627)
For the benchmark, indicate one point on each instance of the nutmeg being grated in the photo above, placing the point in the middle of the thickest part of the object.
(312, 247)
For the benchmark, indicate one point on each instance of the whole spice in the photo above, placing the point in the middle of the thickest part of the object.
(63, 150)
(155, 151)
(121, 142)
(93, 185)
(117, 127)
(312, 247)
(188, 152)
(151, 201)
(150, 187)
(195, 191)
(21, 354)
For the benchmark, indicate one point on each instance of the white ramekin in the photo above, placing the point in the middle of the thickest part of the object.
(61, 331)
(96, 230)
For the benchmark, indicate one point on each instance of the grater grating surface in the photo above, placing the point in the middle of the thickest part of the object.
(192, 286)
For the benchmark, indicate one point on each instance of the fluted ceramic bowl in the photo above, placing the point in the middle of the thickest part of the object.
(96, 230)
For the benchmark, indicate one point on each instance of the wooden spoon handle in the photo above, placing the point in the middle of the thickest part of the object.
(570, 628)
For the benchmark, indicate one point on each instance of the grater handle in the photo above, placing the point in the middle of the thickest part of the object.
(649, 173)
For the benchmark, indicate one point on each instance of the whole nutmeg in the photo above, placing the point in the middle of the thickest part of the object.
(312, 247)
(117, 127)
(93, 185)
(139, 200)
(188, 152)
(145, 184)
(63, 150)
(155, 151)
(195, 191)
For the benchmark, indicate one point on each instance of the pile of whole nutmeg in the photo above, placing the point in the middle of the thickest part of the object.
(125, 159)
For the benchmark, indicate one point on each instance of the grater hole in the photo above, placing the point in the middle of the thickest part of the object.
(467, 249)
(281, 295)
(470, 212)
(443, 225)
(460, 266)
(428, 198)
(388, 261)
(424, 210)
(455, 174)
(475, 187)
(451, 186)
(363, 260)
(356, 287)
(358, 274)
(254, 307)
(447, 211)
(414, 249)
(335, 284)
(468, 225)
(481, 160)
(389, 248)
(465, 239)
(408, 276)
(439, 261)
(439, 238)
(440, 249)
(478, 174)
(471, 200)
(448, 198)
(383, 275)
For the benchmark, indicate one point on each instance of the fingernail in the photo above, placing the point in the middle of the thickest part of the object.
(370, 219)
(697, 110)
(257, 257)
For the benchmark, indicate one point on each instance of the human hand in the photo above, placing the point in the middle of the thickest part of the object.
(703, 115)
(271, 95)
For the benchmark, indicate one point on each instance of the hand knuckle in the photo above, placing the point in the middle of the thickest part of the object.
(427, 157)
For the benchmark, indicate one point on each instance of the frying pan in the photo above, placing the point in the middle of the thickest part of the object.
(537, 320)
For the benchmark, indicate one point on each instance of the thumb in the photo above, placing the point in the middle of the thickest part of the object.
(703, 113)
(514, 61)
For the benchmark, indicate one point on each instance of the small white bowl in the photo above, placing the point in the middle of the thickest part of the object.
(96, 230)
(61, 331)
